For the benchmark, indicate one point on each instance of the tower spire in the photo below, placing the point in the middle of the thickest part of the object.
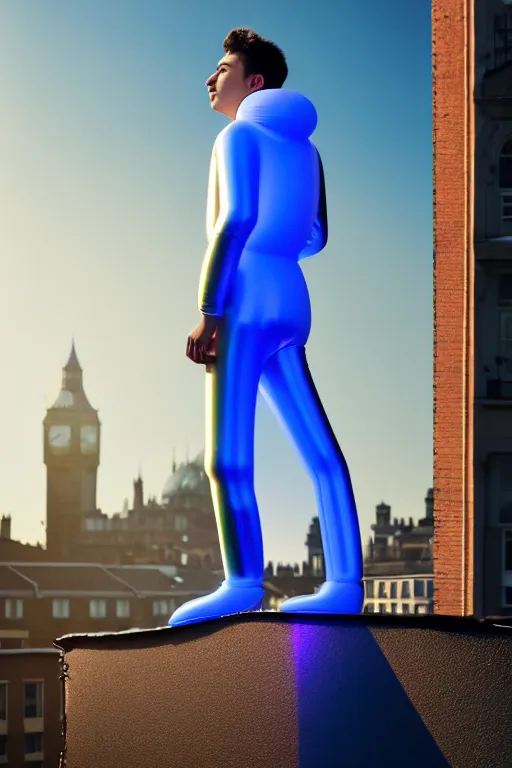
(72, 363)
(72, 394)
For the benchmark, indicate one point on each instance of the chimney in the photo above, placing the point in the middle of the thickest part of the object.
(138, 494)
(429, 504)
(383, 514)
(411, 522)
(5, 527)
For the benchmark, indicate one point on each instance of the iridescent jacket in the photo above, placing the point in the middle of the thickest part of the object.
(266, 190)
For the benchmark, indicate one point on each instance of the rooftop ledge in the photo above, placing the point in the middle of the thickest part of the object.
(269, 689)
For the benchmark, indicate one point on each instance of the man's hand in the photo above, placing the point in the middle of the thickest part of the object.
(201, 341)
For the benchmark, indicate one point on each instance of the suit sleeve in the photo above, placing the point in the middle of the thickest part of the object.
(319, 233)
(237, 177)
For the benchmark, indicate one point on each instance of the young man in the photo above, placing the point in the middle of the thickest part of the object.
(266, 211)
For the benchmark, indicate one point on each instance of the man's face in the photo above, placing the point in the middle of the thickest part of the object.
(229, 86)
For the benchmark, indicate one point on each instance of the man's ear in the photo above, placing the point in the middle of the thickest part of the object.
(256, 82)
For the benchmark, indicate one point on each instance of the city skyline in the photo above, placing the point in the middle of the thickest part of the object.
(107, 134)
(177, 465)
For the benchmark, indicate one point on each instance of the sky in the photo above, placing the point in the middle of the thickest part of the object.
(106, 135)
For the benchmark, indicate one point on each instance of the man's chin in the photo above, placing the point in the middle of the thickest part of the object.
(217, 106)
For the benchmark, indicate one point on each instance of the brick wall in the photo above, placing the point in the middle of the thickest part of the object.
(453, 332)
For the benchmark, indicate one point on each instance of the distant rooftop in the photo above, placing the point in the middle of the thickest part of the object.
(39, 579)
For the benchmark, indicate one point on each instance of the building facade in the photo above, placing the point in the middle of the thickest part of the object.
(473, 306)
(398, 593)
(31, 708)
(493, 308)
(42, 601)
(179, 530)
(398, 566)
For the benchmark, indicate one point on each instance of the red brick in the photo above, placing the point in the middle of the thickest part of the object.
(453, 428)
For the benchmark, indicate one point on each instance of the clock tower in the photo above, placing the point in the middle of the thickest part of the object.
(72, 457)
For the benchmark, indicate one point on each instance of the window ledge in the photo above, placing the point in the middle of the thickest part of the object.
(33, 724)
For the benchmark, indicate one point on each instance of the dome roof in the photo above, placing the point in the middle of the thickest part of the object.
(188, 478)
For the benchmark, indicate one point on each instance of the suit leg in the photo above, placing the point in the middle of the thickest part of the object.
(231, 392)
(288, 388)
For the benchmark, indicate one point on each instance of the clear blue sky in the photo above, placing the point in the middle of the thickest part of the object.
(106, 134)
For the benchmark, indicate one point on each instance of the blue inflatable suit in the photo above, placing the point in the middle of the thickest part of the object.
(266, 211)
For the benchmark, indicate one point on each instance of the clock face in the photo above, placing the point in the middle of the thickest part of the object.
(88, 439)
(59, 438)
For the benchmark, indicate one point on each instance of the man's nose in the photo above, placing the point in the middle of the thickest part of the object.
(210, 80)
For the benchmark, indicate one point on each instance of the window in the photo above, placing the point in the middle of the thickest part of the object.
(505, 289)
(505, 176)
(393, 593)
(505, 346)
(420, 609)
(163, 607)
(405, 609)
(507, 549)
(97, 609)
(3, 701)
(33, 743)
(419, 588)
(507, 597)
(180, 523)
(502, 38)
(93, 524)
(369, 608)
(122, 609)
(406, 590)
(369, 588)
(506, 206)
(505, 323)
(501, 489)
(430, 588)
(382, 607)
(505, 180)
(393, 607)
(14, 609)
(60, 609)
(382, 589)
(33, 701)
(3, 747)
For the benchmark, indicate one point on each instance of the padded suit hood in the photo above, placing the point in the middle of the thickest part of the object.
(288, 113)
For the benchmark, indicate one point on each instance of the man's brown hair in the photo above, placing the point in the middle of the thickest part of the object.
(260, 56)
